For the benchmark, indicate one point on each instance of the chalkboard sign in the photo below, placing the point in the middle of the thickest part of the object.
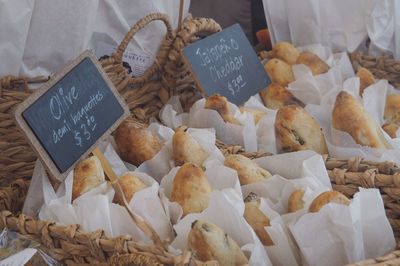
(66, 118)
(226, 63)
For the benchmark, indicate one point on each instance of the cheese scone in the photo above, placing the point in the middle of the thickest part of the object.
(286, 52)
(257, 220)
(295, 201)
(279, 71)
(392, 109)
(135, 143)
(208, 242)
(350, 116)
(186, 149)
(327, 197)
(366, 78)
(220, 104)
(391, 129)
(296, 130)
(88, 174)
(313, 62)
(247, 170)
(130, 184)
(275, 96)
(191, 189)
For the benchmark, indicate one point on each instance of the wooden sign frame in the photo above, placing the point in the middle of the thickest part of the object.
(30, 135)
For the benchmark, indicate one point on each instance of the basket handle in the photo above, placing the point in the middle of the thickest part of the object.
(137, 27)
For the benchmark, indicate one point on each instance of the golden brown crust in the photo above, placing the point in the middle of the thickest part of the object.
(279, 71)
(257, 220)
(135, 143)
(366, 78)
(247, 170)
(220, 104)
(296, 201)
(258, 115)
(314, 63)
(208, 242)
(391, 129)
(286, 52)
(296, 130)
(275, 96)
(327, 197)
(88, 174)
(130, 184)
(392, 109)
(186, 149)
(191, 189)
(350, 116)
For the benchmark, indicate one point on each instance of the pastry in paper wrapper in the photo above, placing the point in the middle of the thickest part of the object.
(257, 220)
(286, 52)
(391, 129)
(258, 115)
(220, 104)
(392, 109)
(279, 71)
(327, 197)
(313, 62)
(130, 184)
(366, 78)
(275, 96)
(209, 242)
(296, 130)
(295, 201)
(186, 149)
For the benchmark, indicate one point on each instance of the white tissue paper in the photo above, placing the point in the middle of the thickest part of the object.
(228, 215)
(340, 234)
(163, 161)
(172, 114)
(231, 134)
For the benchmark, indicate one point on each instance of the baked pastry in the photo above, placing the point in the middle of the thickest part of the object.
(279, 71)
(366, 78)
(327, 197)
(350, 116)
(247, 170)
(257, 220)
(191, 189)
(88, 174)
(186, 149)
(220, 104)
(208, 242)
(258, 115)
(296, 201)
(391, 129)
(286, 52)
(135, 143)
(130, 184)
(275, 96)
(296, 130)
(392, 109)
(314, 63)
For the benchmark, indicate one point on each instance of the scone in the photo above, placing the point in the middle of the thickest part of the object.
(296, 201)
(191, 189)
(247, 170)
(314, 63)
(208, 242)
(286, 52)
(257, 220)
(135, 143)
(296, 130)
(327, 197)
(130, 184)
(258, 115)
(186, 149)
(350, 116)
(391, 129)
(275, 96)
(220, 104)
(279, 71)
(88, 174)
(366, 78)
(392, 109)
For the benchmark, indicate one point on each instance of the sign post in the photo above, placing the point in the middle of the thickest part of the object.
(225, 63)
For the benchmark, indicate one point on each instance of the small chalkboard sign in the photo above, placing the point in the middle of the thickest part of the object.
(226, 63)
(66, 118)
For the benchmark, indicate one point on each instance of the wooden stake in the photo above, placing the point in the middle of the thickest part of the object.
(180, 14)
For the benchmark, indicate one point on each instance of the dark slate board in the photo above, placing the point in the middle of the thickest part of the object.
(226, 63)
(73, 114)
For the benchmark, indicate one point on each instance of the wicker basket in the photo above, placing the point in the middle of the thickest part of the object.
(145, 97)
